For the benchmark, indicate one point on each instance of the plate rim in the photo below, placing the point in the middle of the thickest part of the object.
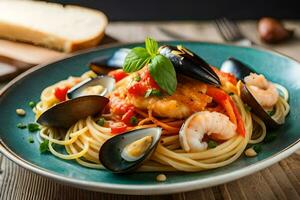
(159, 188)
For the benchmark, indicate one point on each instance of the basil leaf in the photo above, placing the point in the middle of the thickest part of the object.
(151, 46)
(136, 59)
(163, 72)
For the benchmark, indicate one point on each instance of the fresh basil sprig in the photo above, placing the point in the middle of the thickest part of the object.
(161, 69)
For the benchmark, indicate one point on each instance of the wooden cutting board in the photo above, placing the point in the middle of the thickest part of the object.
(16, 57)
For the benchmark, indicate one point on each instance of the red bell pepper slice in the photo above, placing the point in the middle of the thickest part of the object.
(126, 118)
(224, 100)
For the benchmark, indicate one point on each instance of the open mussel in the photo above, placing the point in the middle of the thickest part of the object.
(237, 68)
(66, 113)
(126, 152)
(105, 64)
(190, 64)
(101, 85)
(241, 70)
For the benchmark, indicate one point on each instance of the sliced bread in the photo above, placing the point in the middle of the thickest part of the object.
(66, 28)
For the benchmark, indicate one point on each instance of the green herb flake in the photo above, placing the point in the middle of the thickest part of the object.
(271, 112)
(137, 78)
(247, 108)
(133, 120)
(33, 127)
(270, 137)
(21, 126)
(257, 148)
(152, 92)
(32, 104)
(44, 146)
(212, 144)
(101, 121)
(30, 139)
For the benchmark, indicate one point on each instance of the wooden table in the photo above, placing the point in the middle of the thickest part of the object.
(280, 181)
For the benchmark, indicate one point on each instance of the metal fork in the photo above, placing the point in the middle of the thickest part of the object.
(230, 32)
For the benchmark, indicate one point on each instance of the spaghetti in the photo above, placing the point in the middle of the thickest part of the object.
(83, 140)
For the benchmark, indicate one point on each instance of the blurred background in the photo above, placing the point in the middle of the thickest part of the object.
(138, 10)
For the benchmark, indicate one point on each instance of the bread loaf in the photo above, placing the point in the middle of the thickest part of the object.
(65, 28)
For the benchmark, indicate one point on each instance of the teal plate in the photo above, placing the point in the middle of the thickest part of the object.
(28, 86)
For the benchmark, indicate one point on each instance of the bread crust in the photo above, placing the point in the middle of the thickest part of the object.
(28, 35)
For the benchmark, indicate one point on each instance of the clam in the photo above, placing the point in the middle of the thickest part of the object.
(190, 64)
(105, 64)
(101, 85)
(241, 70)
(126, 152)
(66, 113)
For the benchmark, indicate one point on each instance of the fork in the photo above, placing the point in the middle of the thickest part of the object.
(230, 32)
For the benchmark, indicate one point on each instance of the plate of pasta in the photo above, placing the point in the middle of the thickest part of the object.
(153, 118)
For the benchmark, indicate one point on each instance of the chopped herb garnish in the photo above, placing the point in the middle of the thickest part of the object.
(32, 104)
(257, 148)
(212, 144)
(30, 139)
(137, 78)
(101, 121)
(44, 146)
(270, 137)
(33, 127)
(152, 92)
(271, 112)
(133, 120)
(21, 126)
(231, 93)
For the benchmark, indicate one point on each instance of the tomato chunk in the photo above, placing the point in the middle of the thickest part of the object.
(146, 82)
(61, 93)
(118, 128)
(118, 74)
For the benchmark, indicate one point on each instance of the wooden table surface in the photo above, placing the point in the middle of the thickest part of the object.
(280, 181)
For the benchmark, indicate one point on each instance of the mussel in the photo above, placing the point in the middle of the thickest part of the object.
(237, 68)
(241, 70)
(101, 85)
(66, 113)
(126, 152)
(190, 64)
(105, 64)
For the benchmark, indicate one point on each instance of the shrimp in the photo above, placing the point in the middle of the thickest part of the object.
(264, 92)
(214, 124)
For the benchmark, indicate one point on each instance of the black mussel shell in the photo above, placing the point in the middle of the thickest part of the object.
(107, 82)
(111, 150)
(237, 68)
(65, 114)
(241, 70)
(256, 108)
(190, 64)
(105, 64)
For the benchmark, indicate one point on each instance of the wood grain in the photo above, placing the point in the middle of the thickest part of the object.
(280, 181)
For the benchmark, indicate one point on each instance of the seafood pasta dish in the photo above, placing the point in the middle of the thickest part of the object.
(160, 108)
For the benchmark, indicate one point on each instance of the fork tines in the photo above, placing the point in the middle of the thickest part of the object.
(229, 30)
